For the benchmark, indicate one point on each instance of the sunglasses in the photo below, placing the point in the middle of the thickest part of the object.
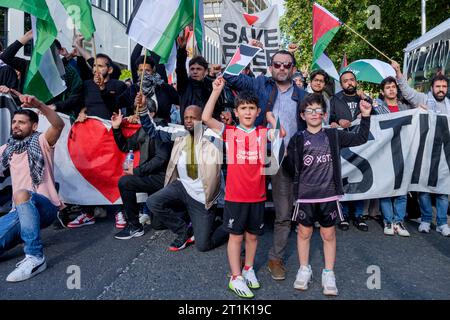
(277, 65)
(312, 111)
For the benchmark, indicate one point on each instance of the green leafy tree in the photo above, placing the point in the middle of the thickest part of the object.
(400, 24)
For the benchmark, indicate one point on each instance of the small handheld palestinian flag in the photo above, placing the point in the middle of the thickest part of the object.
(241, 58)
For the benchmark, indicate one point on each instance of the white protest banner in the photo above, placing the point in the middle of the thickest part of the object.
(406, 151)
(239, 27)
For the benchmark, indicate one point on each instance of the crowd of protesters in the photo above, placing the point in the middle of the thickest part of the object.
(180, 167)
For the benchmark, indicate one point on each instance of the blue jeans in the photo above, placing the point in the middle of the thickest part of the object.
(24, 223)
(359, 208)
(393, 212)
(441, 208)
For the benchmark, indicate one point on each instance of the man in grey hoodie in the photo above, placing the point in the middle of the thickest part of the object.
(436, 101)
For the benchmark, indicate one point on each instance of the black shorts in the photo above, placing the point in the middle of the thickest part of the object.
(325, 213)
(240, 217)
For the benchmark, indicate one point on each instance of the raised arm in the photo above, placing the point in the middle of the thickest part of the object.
(163, 133)
(353, 139)
(123, 143)
(8, 56)
(56, 123)
(182, 75)
(412, 96)
(207, 115)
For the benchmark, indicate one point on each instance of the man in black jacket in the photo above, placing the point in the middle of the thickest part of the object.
(154, 88)
(195, 88)
(344, 104)
(158, 67)
(147, 177)
(100, 96)
(344, 108)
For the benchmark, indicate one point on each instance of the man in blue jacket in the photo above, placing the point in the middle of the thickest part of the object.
(282, 97)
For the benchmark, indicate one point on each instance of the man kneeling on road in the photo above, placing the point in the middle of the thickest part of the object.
(192, 179)
(28, 155)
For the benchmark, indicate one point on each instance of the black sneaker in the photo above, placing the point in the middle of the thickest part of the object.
(129, 232)
(62, 219)
(361, 224)
(344, 225)
(181, 242)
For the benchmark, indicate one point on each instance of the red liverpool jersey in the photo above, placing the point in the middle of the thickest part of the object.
(245, 181)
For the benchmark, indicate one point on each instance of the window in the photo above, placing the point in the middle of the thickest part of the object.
(102, 4)
(112, 7)
(127, 11)
(4, 26)
(28, 48)
(120, 11)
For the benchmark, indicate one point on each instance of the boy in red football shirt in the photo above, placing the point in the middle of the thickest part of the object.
(245, 191)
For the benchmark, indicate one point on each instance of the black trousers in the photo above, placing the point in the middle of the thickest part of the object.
(162, 203)
(129, 186)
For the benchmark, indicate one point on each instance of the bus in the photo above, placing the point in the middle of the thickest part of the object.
(427, 55)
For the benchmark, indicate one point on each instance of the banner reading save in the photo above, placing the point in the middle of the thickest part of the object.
(239, 27)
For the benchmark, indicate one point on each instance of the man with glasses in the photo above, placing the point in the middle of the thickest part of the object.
(281, 97)
(319, 80)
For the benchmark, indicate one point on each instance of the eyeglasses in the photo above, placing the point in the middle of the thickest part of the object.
(277, 64)
(312, 111)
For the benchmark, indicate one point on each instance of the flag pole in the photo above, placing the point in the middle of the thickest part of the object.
(143, 71)
(345, 25)
(95, 53)
(194, 49)
(142, 77)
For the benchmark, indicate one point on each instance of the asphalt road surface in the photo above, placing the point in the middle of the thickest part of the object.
(369, 266)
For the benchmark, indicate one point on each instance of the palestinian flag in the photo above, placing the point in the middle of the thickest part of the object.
(241, 58)
(43, 78)
(325, 63)
(325, 27)
(81, 13)
(155, 24)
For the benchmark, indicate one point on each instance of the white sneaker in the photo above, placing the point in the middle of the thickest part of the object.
(329, 284)
(239, 286)
(400, 229)
(144, 219)
(444, 230)
(424, 227)
(27, 268)
(121, 223)
(250, 277)
(303, 278)
(389, 229)
(82, 220)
